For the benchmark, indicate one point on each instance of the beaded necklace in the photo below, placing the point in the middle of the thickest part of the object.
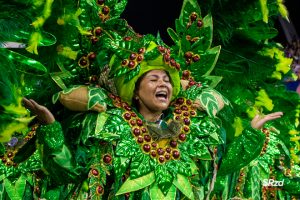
(160, 148)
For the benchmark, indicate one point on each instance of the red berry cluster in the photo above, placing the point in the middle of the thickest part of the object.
(183, 112)
(134, 59)
(285, 169)
(103, 11)
(99, 190)
(269, 192)
(267, 133)
(85, 61)
(190, 57)
(195, 18)
(166, 53)
(191, 40)
(186, 75)
(95, 34)
(94, 175)
(240, 181)
(93, 79)
(162, 153)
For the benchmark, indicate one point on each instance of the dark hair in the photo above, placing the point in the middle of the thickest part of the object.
(135, 102)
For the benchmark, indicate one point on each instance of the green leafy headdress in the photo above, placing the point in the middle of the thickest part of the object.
(112, 47)
(127, 66)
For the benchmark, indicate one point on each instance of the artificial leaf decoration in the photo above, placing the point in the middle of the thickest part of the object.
(184, 185)
(209, 102)
(56, 96)
(155, 193)
(120, 165)
(263, 100)
(255, 178)
(96, 96)
(58, 78)
(173, 34)
(33, 42)
(183, 167)
(101, 119)
(193, 37)
(23, 63)
(204, 35)
(64, 158)
(126, 148)
(204, 154)
(206, 63)
(89, 124)
(164, 178)
(264, 10)
(132, 185)
(282, 9)
(15, 190)
(14, 116)
(259, 33)
(213, 81)
(188, 7)
(139, 166)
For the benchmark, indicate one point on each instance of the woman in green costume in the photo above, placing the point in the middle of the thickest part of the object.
(164, 145)
(139, 147)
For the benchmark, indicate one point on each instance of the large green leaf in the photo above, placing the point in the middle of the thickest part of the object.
(156, 194)
(120, 165)
(126, 148)
(136, 184)
(183, 166)
(174, 36)
(208, 23)
(164, 178)
(204, 34)
(206, 63)
(188, 7)
(213, 81)
(25, 64)
(58, 78)
(15, 191)
(101, 119)
(255, 186)
(131, 74)
(184, 185)
(89, 124)
(258, 33)
(199, 150)
(63, 158)
(118, 8)
(140, 165)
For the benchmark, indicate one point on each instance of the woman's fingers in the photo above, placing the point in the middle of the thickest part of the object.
(259, 121)
(28, 104)
(42, 113)
(273, 116)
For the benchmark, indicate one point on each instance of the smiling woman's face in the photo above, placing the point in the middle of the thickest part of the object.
(154, 92)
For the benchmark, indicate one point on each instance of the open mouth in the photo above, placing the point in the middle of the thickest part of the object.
(162, 95)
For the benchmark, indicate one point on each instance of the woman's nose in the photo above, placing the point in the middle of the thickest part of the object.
(162, 83)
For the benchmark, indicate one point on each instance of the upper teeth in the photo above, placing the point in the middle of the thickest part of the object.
(162, 92)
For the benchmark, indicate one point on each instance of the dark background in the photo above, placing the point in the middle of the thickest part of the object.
(153, 16)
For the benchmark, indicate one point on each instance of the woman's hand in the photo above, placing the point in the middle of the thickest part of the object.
(259, 120)
(42, 113)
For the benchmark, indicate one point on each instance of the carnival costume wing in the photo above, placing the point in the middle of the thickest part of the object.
(250, 58)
